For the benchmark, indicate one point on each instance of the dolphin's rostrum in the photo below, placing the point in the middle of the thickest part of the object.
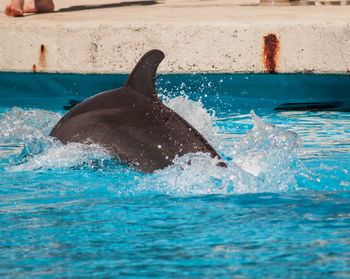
(133, 124)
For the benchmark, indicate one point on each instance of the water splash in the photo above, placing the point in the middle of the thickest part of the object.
(195, 113)
(72, 155)
(265, 159)
(27, 128)
(26, 146)
(270, 154)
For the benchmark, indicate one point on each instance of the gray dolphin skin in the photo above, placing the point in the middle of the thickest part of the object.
(133, 124)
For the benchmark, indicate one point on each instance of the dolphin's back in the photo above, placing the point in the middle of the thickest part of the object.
(132, 123)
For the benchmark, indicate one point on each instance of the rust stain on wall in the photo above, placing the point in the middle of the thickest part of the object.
(34, 68)
(42, 57)
(271, 49)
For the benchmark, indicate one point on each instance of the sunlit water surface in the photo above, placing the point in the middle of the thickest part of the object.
(281, 208)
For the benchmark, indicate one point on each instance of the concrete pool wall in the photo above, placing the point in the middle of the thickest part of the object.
(222, 36)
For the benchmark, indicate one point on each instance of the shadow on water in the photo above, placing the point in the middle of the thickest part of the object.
(106, 6)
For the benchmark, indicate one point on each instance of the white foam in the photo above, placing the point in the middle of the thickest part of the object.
(59, 156)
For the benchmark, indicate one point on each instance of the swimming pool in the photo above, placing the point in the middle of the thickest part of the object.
(281, 208)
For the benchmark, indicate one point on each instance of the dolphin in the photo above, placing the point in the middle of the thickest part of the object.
(133, 124)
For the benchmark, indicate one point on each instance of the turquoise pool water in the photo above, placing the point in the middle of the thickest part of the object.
(280, 210)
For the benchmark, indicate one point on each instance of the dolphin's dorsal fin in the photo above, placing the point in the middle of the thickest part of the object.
(143, 76)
